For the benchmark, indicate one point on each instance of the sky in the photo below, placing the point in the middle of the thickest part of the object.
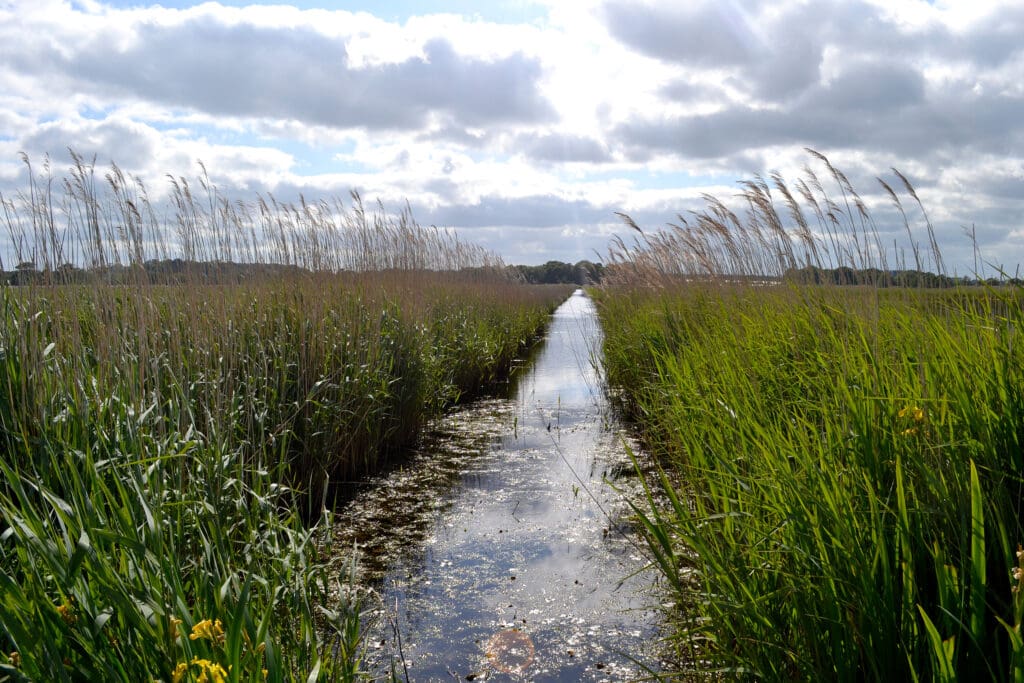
(525, 125)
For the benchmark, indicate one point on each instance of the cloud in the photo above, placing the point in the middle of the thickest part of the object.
(992, 40)
(126, 142)
(684, 90)
(536, 211)
(774, 52)
(559, 148)
(767, 57)
(1002, 179)
(148, 153)
(707, 34)
(451, 131)
(202, 62)
(869, 86)
(870, 105)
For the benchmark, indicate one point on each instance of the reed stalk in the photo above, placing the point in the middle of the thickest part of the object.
(841, 463)
(178, 396)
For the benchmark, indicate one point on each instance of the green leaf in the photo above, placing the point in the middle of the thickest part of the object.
(941, 650)
(977, 596)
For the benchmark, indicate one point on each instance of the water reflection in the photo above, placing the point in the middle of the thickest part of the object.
(504, 524)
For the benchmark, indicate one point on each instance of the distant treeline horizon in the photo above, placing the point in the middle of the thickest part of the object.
(173, 271)
(560, 272)
(845, 275)
(176, 270)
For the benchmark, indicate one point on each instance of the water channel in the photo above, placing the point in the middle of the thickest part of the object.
(502, 550)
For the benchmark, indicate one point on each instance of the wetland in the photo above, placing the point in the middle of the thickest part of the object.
(502, 549)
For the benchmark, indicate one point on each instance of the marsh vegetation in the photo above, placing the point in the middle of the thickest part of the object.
(839, 443)
(843, 464)
(169, 443)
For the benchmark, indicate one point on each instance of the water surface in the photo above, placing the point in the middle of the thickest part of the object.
(501, 550)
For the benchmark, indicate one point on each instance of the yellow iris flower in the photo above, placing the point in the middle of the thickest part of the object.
(210, 630)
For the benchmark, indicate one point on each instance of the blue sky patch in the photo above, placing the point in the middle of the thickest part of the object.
(502, 11)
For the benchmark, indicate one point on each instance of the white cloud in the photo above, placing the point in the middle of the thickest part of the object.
(266, 63)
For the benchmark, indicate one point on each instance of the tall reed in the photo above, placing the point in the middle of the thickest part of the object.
(108, 224)
(170, 425)
(821, 222)
(843, 464)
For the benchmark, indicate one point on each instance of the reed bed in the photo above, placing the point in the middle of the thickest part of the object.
(106, 222)
(177, 395)
(842, 465)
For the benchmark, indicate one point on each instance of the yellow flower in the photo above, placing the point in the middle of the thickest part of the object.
(209, 672)
(210, 630)
(15, 660)
(913, 412)
(179, 672)
(175, 624)
(67, 612)
(909, 432)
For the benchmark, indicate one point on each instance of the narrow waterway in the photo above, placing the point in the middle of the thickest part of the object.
(502, 551)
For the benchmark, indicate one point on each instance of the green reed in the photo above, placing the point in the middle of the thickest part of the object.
(163, 447)
(845, 477)
(169, 437)
(841, 486)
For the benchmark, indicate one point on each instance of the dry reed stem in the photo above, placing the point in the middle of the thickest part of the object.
(765, 243)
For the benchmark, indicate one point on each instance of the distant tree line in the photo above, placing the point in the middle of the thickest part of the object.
(180, 271)
(168, 271)
(886, 278)
(559, 272)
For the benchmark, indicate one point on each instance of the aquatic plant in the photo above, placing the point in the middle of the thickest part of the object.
(842, 465)
(170, 426)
